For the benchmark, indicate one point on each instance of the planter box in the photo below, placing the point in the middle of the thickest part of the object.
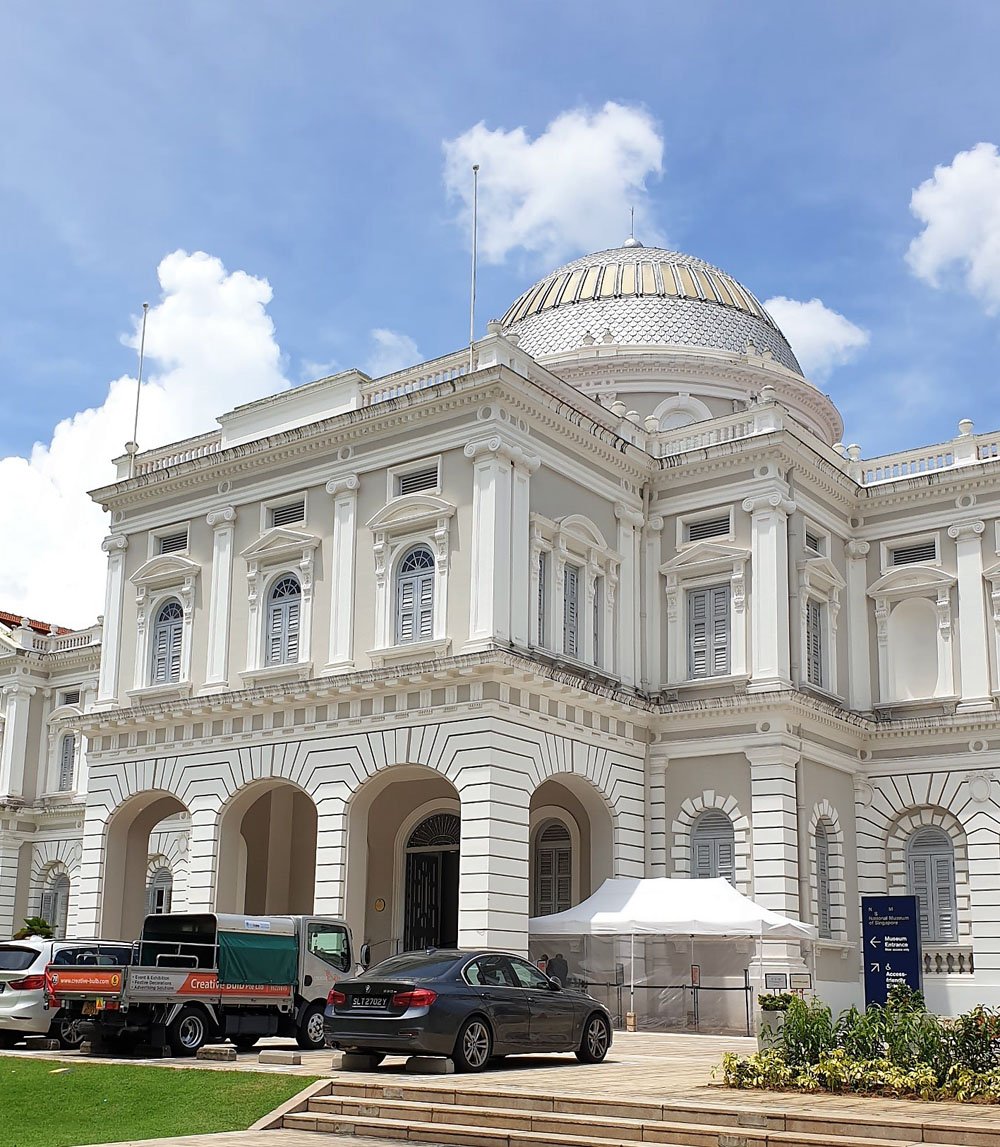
(769, 1030)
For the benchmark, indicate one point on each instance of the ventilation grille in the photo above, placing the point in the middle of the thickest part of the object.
(708, 528)
(71, 697)
(287, 515)
(918, 552)
(417, 480)
(170, 543)
(813, 542)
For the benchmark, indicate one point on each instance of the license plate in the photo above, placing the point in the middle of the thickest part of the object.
(89, 1008)
(370, 1002)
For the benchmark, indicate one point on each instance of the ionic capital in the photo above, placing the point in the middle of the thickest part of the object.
(966, 531)
(508, 451)
(223, 516)
(114, 542)
(769, 503)
(857, 550)
(348, 484)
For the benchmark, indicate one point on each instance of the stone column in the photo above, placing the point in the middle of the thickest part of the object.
(521, 600)
(203, 857)
(90, 895)
(973, 650)
(657, 849)
(330, 890)
(222, 523)
(489, 616)
(775, 839)
(629, 521)
(858, 634)
(493, 884)
(111, 641)
(769, 628)
(9, 853)
(17, 705)
(345, 508)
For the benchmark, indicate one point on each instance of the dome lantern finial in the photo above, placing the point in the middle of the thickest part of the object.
(631, 241)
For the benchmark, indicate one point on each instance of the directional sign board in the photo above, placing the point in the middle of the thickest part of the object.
(890, 934)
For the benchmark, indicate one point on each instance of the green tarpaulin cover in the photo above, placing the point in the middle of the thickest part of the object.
(257, 958)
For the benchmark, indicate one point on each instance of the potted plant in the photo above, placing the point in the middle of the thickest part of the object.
(34, 926)
(773, 1006)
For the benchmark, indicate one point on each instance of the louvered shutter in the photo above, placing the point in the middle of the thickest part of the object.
(293, 612)
(67, 759)
(426, 612)
(405, 613)
(708, 631)
(713, 847)
(931, 862)
(159, 893)
(553, 870)
(943, 875)
(167, 643)
(176, 635)
(415, 597)
(542, 587)
(60, 912)
(726, 858)
(47, 907)
(571, 611)
(814, 643)
(720, 630)
(823, 881)
(598, 595)
(284, 610)
(698, 633)
(275, 626)
(920, 886)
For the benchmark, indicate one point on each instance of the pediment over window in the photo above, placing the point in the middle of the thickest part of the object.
(584, 528)
(280, 544)
(411, 512)
(706, 558)
(911, 581)
(166, 570)
(821, 574)
(992, 573)
(64, 711)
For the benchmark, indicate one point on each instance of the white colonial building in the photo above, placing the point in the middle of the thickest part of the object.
(443, 650)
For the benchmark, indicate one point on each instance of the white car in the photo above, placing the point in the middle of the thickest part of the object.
(23, 1009)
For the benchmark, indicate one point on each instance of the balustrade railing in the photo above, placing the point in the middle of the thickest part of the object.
(416, 378)
(950, 960)
(62, 642)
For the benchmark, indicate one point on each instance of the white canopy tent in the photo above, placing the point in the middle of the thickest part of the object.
(630, 906)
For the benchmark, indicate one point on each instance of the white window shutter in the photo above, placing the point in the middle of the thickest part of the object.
(814, 643)
(415, 597)
(823, 881)
(571, 611)
(708, 631)
(67, 761)
(713, 847)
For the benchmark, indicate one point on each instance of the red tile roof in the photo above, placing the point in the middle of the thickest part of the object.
(13, 620)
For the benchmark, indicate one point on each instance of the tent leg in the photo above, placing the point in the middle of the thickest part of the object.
(630, 1018)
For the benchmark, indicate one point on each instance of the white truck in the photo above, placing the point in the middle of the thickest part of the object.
(205, 977)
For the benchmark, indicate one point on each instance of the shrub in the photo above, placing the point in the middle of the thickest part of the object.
(775, 1001)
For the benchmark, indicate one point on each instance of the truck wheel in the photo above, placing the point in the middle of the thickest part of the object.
(66, 1030)
(310, 1036)
(188, 1032)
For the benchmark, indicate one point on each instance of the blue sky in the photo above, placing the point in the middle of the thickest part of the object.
(303, 144)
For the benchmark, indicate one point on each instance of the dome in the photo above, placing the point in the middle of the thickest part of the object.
(643, 296)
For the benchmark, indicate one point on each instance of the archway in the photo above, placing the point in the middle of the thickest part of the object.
(123, 904)
(403, 829)
(267, 850)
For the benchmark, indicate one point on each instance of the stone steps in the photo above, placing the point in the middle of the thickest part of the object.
(472, 1118)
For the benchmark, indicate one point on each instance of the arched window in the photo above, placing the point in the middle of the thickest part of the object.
(824, 917)
(284, 609)
(168, 632)
(159, 892)
(67, 762)
(54, 907)
(713, 847)
(415, 596)
(553, 870)
(930, 858)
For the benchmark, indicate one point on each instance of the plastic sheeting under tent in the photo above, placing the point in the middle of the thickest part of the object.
(678, 954)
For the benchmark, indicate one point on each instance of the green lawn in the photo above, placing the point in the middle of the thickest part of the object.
(44, 1103)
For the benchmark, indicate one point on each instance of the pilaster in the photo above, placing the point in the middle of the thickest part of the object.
(521, 600)
(972, 640)
(629, 521)
(222, 524)
(342, 600)
(769, 623)
(203, 857)
(114, 600)
(16, 705)
(858, 634)
(490, 591)
(652, 609)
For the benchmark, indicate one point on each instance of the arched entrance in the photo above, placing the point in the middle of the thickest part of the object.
(126, 861)
(430, 896)
(267, 850)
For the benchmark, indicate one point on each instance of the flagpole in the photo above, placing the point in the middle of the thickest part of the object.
(138, 391)
(475, 254)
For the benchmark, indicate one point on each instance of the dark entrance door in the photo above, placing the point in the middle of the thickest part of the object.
(430, 918)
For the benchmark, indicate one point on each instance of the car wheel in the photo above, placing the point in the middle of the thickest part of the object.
(474, 1045)
(66, 1030)
(596, 1040)
(188, 1032)
(246, 1042)
(310, 1036)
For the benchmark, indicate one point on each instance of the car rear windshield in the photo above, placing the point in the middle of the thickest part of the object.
(17, 959)
(412, 967)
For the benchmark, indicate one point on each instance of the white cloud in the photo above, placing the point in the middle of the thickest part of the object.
(209, 345)
(568, 190)
(959, 207)
(821, 338)
(393, 351)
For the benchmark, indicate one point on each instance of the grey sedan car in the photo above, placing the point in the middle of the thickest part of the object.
(473, 1006)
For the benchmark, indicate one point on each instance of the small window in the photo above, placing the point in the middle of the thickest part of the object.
(159, 892)
(553, 870)
(168, 632)
(413, 481)
(713, 847)
(925, 551)
(571, 611)
(708, 631)
(705, 528)
(814, 643)
(171, 543)
(54, 905)
(67, 763)
(814, 541)
(288, 514)
(70, 697)
(284, 611)
(824, 922)
(543, 586)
